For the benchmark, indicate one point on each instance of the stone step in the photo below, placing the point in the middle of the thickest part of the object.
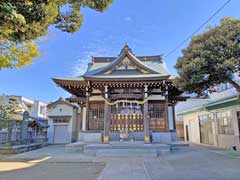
(20, 148)
(126, 150)
(126, 153)
(127, 146)
(74, 147)
(178, 145)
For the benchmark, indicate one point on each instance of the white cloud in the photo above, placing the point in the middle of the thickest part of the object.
(84, 58)
(81, 66)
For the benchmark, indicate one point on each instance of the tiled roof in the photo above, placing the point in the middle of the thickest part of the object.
(208, 103)
(110, 59)
(154, 64)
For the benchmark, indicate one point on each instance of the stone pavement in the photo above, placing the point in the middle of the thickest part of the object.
(53, 171)
(193, 163)
(125, 169)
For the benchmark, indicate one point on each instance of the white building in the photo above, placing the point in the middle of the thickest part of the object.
(37, 126)
(62, 121)
(35, 108)
(215, 121)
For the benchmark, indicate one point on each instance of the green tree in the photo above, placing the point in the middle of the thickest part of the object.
(22, 21)
(211, 58)
(10, 110)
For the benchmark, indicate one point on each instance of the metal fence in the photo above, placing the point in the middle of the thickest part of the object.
(25, 131)
(32, 137)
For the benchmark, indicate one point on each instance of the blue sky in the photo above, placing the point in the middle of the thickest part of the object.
(149, 27)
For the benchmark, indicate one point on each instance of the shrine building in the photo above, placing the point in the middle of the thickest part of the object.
(126, 94)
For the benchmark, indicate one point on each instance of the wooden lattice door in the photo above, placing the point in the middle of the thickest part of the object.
(96, 116)
(157, 111)
(126, 117)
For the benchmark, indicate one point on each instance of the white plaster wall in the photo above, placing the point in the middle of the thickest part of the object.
(214, 128)
(44, 105)
(84, 119)
(62, 109)
(156, 97)
(50, 131)
(74, 125)
(219, 140)
(29, 101)
(193, 127)
(234, 111)
(35, 108)
(194, 131)
(170, 118)
(96, 98)
(224, 140)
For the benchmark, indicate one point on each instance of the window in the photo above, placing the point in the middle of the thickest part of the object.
(97, 113)
(42, 108)
(224, 122)
(205, 128)
(156, 110)
(29, 108)
(61, 120)
(203, 117)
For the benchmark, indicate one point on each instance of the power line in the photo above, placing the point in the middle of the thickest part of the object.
(198, 29)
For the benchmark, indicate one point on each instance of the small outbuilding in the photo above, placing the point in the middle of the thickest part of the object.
(215, 123)
(62, 121)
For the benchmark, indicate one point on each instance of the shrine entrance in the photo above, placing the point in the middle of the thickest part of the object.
(126, 116)
(129, 93)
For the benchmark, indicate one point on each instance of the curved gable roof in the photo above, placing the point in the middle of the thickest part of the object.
(154, 68)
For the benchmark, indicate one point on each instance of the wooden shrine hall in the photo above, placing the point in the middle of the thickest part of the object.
(128, 97)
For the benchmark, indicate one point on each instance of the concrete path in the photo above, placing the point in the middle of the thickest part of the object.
(125, 169)
(52, 171)
(194, 163)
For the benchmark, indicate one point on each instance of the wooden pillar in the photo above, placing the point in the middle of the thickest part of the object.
(146, 117)
(87, 109)
(174, 117)
(80, 118)
(166, 108)
(106, 118)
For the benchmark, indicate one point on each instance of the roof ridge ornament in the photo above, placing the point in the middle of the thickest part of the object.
(126, 48)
